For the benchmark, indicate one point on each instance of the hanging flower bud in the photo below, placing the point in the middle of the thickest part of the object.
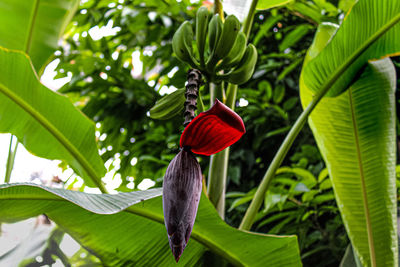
(181, 196)
(213, 131)
(206, 134)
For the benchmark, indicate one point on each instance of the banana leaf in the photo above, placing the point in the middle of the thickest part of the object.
(127, 229)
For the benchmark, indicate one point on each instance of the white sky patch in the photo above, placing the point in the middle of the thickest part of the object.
(99, 32)
(69, 246)
(243, 102)
(12, 234)
(49, 73)
(26, 164)
(146, 184)
(172, 72)
(167, 90)
(137, 65)
(134, 161)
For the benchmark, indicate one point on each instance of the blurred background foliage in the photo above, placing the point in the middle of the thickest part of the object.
(116, 92)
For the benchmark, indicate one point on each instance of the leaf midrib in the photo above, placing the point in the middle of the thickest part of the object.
(37, 116)
(363, 184)
(361, 49)
(31, 25)
(153, 216)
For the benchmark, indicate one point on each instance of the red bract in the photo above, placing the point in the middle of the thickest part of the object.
(213, 130)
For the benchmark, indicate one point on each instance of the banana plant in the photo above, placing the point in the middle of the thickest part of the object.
(69, 136)
(354, 130)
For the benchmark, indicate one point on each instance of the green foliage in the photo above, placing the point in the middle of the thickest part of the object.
(138, 234)
(379, 19)
(34, 27)
(362, 164)
(120, 103)
(300, 199)
(53, 127)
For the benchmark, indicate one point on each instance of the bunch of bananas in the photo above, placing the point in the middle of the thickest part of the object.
(228, 57)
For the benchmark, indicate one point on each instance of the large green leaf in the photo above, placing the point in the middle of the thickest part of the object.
(124, 234)
(355, 133)
(46, 123)
(370, 31)
(34, 26)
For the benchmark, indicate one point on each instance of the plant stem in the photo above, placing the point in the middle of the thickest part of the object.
(192, 92)
(218, 9)
(10, 159)
(248, 22)
(217, 180)
(217, 174)
(255, 204)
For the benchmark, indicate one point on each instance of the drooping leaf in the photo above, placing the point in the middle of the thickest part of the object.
(125, 235)
(213, 131)
(370, 31)
(355, 133)
(34, 27)
(46, 123)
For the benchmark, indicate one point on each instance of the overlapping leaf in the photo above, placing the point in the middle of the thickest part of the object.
(34, 27)
(125, 235)
(355, 133)
(370, 31)
(46, 123)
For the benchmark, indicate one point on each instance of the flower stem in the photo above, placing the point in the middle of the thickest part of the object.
(192, 92)
(217, 175)
(218, 9)
(255, 205)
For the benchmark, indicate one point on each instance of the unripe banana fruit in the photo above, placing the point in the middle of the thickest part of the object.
(182, 44)
(228, 36)
(169, 106)
(244, 70)
(236, 53)
(227, 48)
(202, 16)
(214, 33)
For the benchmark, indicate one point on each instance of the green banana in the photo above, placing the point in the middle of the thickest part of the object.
(202, 16)
(245, 68)
(169, 106)
(236, 53)
(182, 44)
(214, 32)
(229, 33)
